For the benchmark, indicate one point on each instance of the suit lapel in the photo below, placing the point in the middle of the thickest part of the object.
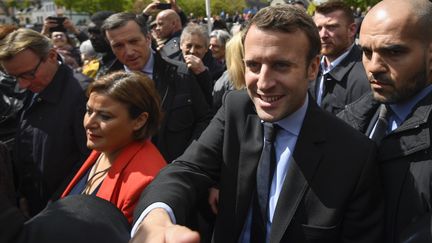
(341, 70)
(251, 147)
(109, 184)
(302, 167)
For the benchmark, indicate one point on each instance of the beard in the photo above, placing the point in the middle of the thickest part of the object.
(400, 93)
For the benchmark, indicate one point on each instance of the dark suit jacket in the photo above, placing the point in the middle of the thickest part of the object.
(332, 191)
(51, 142)
(406, 166)
(344, 84)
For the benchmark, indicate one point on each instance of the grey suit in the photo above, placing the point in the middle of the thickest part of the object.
(344, 84)
(331, 192)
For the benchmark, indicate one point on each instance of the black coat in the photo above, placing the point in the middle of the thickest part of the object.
(344, 84)
(186, 112)
(331, 192)
(405, 157)
(50, 142)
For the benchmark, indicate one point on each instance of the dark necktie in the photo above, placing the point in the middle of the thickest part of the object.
(382, 125)
(321, 87)
(265, 171)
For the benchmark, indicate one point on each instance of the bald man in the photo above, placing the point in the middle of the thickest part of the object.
(397, 56)
(168, 30)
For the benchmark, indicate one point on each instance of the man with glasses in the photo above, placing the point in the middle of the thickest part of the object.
(50, 142)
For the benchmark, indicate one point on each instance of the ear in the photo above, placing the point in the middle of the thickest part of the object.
(313, 68)
(140, 121)
(352, 28)
(52, 56)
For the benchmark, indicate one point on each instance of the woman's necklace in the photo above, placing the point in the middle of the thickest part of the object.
(96, 177)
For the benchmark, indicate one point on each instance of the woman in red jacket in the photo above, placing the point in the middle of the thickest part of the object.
(123, 112)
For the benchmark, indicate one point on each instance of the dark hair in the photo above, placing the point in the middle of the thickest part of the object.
(288, 19)
(331, 6)
(100, 16)
(121, 19)
(136, 91)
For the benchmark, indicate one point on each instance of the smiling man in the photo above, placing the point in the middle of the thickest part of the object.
(397, 115)
(51, 141)
(312, 185)
(342, 78)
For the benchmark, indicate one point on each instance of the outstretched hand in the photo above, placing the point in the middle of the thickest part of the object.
(158, 228)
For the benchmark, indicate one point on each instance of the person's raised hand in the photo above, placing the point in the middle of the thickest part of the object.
(47, 25)
(195, 64)
(69, 26)
(151, 8)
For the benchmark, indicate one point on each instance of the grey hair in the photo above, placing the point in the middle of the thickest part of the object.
(221, 35)
(195, 29)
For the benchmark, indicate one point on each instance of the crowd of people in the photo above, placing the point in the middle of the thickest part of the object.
(276, 127)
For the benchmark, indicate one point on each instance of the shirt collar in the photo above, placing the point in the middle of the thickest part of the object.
(148, 68)
(293, 122)
(402, 110)
(336, 62)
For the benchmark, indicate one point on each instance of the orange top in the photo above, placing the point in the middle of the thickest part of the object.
(134, 168)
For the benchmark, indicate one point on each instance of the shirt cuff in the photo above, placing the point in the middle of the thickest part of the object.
(147, 211)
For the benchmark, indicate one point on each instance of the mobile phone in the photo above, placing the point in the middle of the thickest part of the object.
(164, 6)
(59, 21)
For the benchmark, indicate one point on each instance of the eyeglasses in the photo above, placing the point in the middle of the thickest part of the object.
(29, 74)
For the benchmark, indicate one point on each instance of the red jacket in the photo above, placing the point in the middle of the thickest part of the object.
(132, 171)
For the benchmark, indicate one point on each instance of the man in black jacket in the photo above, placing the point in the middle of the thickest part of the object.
(50, 142)
(398, 60)
(342, 78)
(186, 111)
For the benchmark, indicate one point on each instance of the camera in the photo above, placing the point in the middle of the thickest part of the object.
(163, 6)
(59, 21)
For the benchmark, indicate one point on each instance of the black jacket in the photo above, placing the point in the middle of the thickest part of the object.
(51, 141)
(187, 113)
(405, 157)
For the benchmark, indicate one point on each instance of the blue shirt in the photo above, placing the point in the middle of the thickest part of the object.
(326, 69)
(148, 68)
(285, 142)
(402, 110)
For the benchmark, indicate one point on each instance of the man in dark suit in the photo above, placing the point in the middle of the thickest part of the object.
(187, 113)
(398, 60)
(342, 78)
(325, 186)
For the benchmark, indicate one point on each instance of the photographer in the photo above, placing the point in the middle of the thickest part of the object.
(63, 24)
